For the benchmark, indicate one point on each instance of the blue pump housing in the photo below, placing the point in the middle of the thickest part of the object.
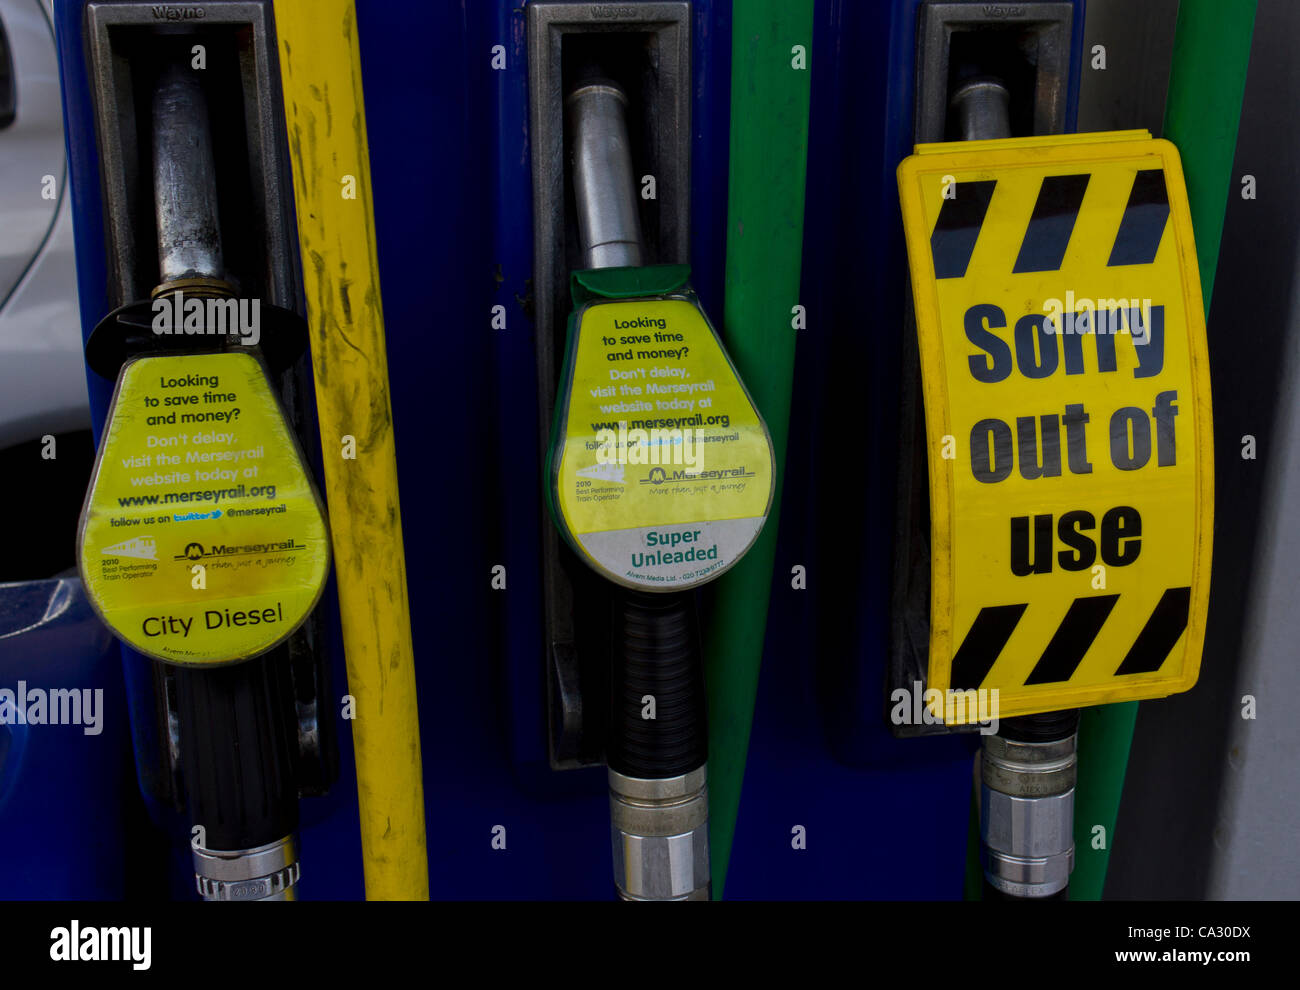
(449, 147)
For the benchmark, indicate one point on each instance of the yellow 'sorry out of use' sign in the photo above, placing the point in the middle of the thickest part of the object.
(202, 538)
(1067, 402)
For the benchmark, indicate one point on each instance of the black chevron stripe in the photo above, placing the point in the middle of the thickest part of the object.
(980, 649)
(1056, 211)
(958, 227)
(1144, 220)
(1072, 640)
(1052, 223)
(1159, 635)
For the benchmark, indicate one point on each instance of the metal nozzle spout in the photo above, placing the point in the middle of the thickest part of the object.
(983, 105)
(184, 179)
(603, 184)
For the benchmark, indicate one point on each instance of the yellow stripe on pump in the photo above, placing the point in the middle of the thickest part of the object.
(320, 65)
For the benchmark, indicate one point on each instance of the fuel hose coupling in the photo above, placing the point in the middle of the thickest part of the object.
(1027, 778)
(266, 873)
(658, 773)
(661, 836)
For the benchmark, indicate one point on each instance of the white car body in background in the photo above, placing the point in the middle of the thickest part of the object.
(42, 373)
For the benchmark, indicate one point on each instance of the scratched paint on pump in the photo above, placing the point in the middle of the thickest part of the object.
(663, 470)
(202, 538)
(1063, 354)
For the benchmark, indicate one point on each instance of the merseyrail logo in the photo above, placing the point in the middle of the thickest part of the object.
(1064, 369)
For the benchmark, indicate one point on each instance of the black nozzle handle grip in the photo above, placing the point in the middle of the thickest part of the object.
(658, 725)
(237, 738)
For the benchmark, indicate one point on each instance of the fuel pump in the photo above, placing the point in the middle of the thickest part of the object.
(660, 477)
(203, 543)
(1067, 425)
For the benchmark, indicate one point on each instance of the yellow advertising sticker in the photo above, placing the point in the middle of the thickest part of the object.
(663, 467)
(202, 537)
(1067, 403)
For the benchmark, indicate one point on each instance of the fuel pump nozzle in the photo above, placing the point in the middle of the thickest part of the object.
(1028, 768)
(657, 765)
(235, 739)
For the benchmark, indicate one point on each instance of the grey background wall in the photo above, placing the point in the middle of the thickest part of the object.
(1212, 801)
